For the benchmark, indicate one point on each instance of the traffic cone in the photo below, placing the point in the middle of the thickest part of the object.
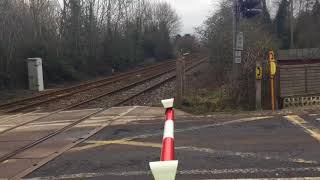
(166, 168)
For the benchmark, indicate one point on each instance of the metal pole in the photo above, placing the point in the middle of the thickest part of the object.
(291, 24)
(258, 86)
(272, 69)
(273, 106)
(236, 22)
(234, 38)
(234, 33)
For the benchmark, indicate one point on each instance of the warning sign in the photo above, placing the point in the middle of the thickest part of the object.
(259, 73)
(273, 65)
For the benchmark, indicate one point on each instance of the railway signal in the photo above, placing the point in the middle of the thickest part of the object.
(259, 72)
(250, 8)
(245, 9)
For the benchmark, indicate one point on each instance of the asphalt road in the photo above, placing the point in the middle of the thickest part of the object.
(224, 146)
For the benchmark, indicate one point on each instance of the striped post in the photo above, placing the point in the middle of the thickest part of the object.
(167, 153)
(166, 168)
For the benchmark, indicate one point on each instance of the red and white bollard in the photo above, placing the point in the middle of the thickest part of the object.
(166, 168)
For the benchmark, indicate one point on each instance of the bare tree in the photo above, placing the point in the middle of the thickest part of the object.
(82, 37)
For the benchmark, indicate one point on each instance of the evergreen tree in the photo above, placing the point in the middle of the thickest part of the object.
(282, 24)
(307, 27)
(316, 23)
(316, 10)
(265, 14)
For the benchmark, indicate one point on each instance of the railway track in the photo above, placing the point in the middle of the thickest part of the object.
(108, 92)
(27, 103)
(76, 96)
(157, 78)
(84, 98)
(74, 105)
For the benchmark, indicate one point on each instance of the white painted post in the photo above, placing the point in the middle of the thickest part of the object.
(35, 74)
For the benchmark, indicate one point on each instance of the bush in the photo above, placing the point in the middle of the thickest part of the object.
(205, 101)
(58, 71)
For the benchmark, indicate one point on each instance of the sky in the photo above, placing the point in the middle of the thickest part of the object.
(193, 12)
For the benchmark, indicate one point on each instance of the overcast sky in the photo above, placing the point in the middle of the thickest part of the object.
(193, 12)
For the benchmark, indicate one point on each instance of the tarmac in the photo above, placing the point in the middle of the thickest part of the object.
(119, 143)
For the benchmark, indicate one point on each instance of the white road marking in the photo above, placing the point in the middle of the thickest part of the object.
(159, 133)
(11, 117)
(245, 155)
(198, 127)
(54, 124)
(247, 171)
(306, 126)
(95, 144)
(81, 110)
(7, 117)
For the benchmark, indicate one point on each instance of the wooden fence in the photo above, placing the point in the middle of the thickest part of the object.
(299, 80)
(298, 75)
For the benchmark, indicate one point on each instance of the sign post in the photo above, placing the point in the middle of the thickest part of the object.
(258, 84)
(238, 55)
(236, 65)
(273, 70)
(239, 43)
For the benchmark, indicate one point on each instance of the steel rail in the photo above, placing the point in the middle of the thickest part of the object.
(61, 96)
(163, 81)
(89, 100)
(56, 92)
(42, 139)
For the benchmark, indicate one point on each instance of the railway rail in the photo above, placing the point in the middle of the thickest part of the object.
(27, 103)
(74, 105)
(41, 138)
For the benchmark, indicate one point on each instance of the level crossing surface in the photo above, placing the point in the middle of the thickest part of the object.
(120, 142)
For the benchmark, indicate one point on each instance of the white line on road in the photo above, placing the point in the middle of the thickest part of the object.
(128, 141)
(306, 126)
(160, 133)
(246, 155)
(198, 127)
(5, 119)
(95, 144)
(187, 172)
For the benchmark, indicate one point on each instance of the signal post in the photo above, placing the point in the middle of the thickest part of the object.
(259, 76)
(244, 9)
(272, 70)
